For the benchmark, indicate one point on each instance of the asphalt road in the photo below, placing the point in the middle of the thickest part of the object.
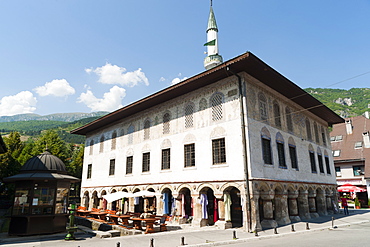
(355, 235)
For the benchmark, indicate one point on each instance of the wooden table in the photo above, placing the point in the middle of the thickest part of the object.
(99, 215)
(137, 223)
(124, 218)
(149, 224)
(83, 212)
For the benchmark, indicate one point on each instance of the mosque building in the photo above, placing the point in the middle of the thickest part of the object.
(238, 145)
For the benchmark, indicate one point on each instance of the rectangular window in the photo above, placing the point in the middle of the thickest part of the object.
(293, 157)
(281, 154)
(358, 145)
(321, 163)
(129, 161)
(189, 155)
(218, 151)
(338, 171)
(266, 151)
(166, 158)
(336, 153)
(332, 138)
(339, 138)
(89, 167)
(358, 170)
(146, 162)
(313, 162)
(327, 165)
(112, 165)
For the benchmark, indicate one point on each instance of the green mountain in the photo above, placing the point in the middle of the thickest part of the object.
(33, 128)
(65, 117)
(346, 103)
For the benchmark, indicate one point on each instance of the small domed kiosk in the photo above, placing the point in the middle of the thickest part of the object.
(41, 196)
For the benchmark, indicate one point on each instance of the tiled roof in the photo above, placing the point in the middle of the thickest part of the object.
(348, 152)
(246, 62)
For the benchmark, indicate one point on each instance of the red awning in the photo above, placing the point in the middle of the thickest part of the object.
(350, 188)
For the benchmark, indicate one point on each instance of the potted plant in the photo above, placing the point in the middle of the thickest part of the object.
(357, 203)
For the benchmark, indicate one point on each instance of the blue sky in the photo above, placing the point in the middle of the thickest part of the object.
(80, 56)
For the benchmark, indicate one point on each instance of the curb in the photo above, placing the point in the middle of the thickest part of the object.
(243, 240)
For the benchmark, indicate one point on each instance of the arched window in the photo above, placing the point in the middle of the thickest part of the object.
(323, 136)
(101, 144)
(321, 162)
(146, 129)
(130, 133)
(280, 150)
(293, 153)
(289, 122)
(266, 146)
(216, 103)
(277, 114)
(316, 130)
(114, 140)
(202, 104)
(311, 153)
(262, 106)
(91, 147)
(327, 163)
(308, 130)
(166, 123)
(189, 110)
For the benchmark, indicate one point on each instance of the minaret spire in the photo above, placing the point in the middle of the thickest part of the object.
(213, 59)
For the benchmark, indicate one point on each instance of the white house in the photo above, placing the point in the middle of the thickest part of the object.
(238, 144)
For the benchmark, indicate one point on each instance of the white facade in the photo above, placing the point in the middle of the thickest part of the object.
(266, 188)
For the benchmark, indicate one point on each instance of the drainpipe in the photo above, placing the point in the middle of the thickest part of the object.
(245, 153)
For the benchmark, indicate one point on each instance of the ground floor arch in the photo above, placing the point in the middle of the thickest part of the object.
(225, 203)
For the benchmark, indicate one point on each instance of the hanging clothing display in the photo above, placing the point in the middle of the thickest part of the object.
(204, 203)
(215, 210)
(136, 200)
(165, 199)
(183, 214)
(227, 203)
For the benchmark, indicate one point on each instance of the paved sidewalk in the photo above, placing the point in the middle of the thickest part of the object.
(206, 236)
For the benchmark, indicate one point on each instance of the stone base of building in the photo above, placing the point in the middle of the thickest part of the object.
(266, 224)
(295, 218)
(314, 215)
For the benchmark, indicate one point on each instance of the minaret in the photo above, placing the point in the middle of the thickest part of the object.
(213, 59)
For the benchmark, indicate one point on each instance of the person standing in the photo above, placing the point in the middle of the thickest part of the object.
(345, 204)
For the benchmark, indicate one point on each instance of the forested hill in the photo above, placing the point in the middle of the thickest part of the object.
(346, 103)
(65, 117)
(33, 128)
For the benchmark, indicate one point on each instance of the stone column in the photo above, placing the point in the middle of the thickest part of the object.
(293, 206)
(146, 203)
(321, 203)
(268, 210)
(303, 208)
(221, 209)
(197, 211)
(159, 205)
(312, 204)
(131, 204)
(256, 223)
(329, 203)
(281, 209)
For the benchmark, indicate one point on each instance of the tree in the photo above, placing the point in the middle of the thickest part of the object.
(51, 140)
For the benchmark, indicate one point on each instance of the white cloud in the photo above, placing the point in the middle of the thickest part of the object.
(23, 102)
(177, 80)
(58, 88)
(111, 100)
(162, 79)
(112, 74)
